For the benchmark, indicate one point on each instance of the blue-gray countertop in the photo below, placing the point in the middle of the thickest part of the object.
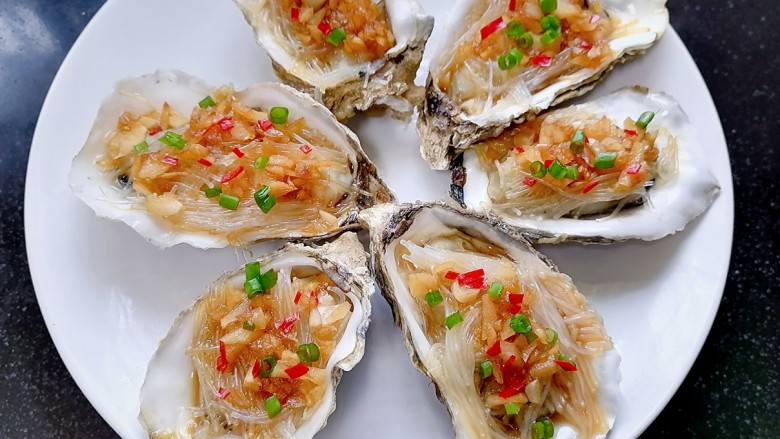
(733, 388)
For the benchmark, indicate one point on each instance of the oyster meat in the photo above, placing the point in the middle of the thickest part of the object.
(350, 54)
(181, 161)
(626, 165)
(505, 60)
(513, 348)
(261, 353)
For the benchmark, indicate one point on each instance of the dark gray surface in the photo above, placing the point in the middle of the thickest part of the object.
(733, 388)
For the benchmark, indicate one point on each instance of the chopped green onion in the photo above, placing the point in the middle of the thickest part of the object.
(268, 203)
(552, 336)
(308, 352)
(212, 192)
(577, 141)
(516, 54)
(605, 160)
(512, 408)
(645, 119)
(557, 170)
(525, 40)
(141, 147)
(336, 36)
(486, 367)
(268, 279)
(550, 22)
(262, 193)
(273, 406)
(537, 430)
(207, 102)
(270, 360)
(538, 170)
(174, 140)
(508, 60)
(549, 37)
(228, 201)
(520, 323)
(530, 337)
(261, 162)
(515, 29)
(548, 5)
(571, 172)
(264, 199)
(433, 297)
(249, 325)
(252, 270)
(278, 115)
(253, 287)
(495, 290)
(549, 429)
(453, 319)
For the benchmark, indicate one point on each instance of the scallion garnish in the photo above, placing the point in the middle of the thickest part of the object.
(543, 429)
(551, 335)
(259, 283)
(525, 40)
(308, 352)
(453, 319)
(550, 22)
(267, 365)
(508, 60)
(549, 37)
(278, 115)
(538, 170)
(253, 287)
(252, 270)
(577, 143)
(512, 408)
(141, 147)
(249, 325)
(336, 36)
(571, 172)
(515, 29)
(605, 160)
(433, 297)
(548, 5)
(264, 199)
(520, 324)
(495, 290)
(228, 201)
(207, 102)
(272, 406)
(261, 162)
(174, 140)
(645, 119)
(557, 170)
(212, 192)
(486, 367)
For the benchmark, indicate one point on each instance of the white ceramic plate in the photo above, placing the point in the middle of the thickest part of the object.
(108, 296)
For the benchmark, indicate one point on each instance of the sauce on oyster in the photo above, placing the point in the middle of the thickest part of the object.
(565, 164)
(261, 349)
(232, 169)
(358, 28)
(482, 314)
(533, 42)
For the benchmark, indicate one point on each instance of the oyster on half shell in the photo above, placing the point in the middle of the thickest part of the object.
(505, 60)
(628, 165)
(180, 161)
(373, 61)
(513, 348)
(247, 362)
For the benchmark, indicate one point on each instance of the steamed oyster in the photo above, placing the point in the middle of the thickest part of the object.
(503, 60)
(350, 54)
(511, 345)
(626, 165)
(261, 353)
(180, 161)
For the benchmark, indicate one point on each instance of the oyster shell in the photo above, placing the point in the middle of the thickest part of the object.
(469, 97)
(659, 182)
(342, 82)
(453, 279)
(314, 167)
(189, 393)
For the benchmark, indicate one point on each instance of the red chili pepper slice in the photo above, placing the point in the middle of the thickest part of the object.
(568, 366)
(205, 162)
(222, 393)
(324, 28)
(256, 369)
(265, 124)
(508, 392)
(238, 152)
(514, 308)
(630, 132)
(305, 149)
(633, 168)
(472, 279)
(529, 181)
(589, 187)
(154, 130)
(222, 362)
(296, 371)
(519, 150)
(313, 297)
(541, 60)
(548, 162)
(297, 298)
(226, 123)
(491, 27)
(451, 275)
(586, 45)
(231, 175)
(168, 160)
(515, 298)
(286, 324)
(495, 349)
(295, 13)
(512, 5)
